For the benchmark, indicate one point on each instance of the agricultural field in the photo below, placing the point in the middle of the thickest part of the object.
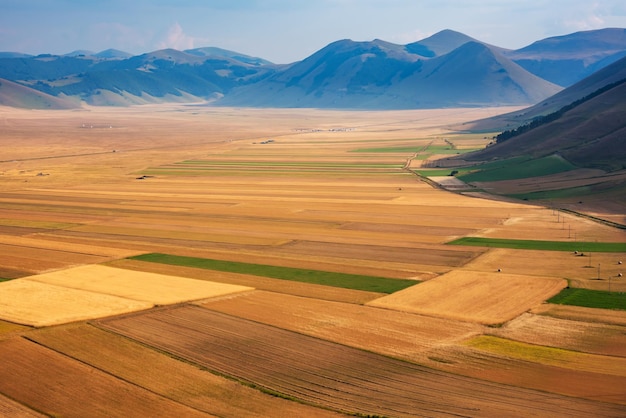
(184, 260)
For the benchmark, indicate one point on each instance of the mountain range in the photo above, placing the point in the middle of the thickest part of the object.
(448, 69)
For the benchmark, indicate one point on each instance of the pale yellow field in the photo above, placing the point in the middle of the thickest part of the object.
(487, 298)
(157, 289)
(39, 304)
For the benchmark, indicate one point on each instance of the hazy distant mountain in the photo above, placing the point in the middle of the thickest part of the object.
(79, 53)
(219, 52)
(564, 60)
(108, 78)
(378, 74)
(112, 54)
(443, 70)
(14, 55)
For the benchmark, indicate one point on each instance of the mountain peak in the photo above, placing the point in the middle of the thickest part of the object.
(441, 42)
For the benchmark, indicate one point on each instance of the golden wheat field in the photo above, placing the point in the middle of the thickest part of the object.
(185, 260)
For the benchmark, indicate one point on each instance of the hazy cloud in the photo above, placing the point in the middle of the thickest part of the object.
(176, 38)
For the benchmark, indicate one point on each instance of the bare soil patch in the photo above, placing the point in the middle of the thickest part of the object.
(165, 376)
(8, 328)
(487, 298)
(394, 333)
(10, 408)
(608, 340)
(543, 377)
(334, 375)
(54, 384)
(579, 313)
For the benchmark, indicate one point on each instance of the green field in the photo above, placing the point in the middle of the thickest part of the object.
(326, 278)
(517, 168)
(590, 298)
(425, 151)
(519, 244)
(209, 164)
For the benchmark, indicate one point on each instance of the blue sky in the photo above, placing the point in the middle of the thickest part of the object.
(284, 31)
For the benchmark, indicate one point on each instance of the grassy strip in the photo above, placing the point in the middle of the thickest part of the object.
(512, 169)
(520, 244)
(326, 278)
(590, 299)
(520, 350)
(285, 164)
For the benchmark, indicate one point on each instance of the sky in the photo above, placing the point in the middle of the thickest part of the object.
(285, 31)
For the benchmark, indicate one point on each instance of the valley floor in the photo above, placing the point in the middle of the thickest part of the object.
(197, 261)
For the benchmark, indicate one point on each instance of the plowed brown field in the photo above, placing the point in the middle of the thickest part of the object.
(57, 385)
(333, 375)
(393, 333)
(573, 335)
(10, 408)
(165, 376)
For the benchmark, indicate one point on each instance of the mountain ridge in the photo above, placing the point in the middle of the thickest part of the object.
(345, 74)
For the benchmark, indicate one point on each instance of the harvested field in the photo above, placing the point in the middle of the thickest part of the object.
(10, 408)
(548, 224)
(487, 298)
(578, 313)
(10, 327)
(54, 384)
(550, 356)
(581, 271)
(184, 383)
(333, 375)
(393, 333)
(156, 289)
(533, 375)
(39, 304)
(38, 259)
(608, 340)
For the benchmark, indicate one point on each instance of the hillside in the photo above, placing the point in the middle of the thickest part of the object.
(591, 135)
(16, 95)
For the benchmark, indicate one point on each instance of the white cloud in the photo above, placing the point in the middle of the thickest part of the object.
(176, 38)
